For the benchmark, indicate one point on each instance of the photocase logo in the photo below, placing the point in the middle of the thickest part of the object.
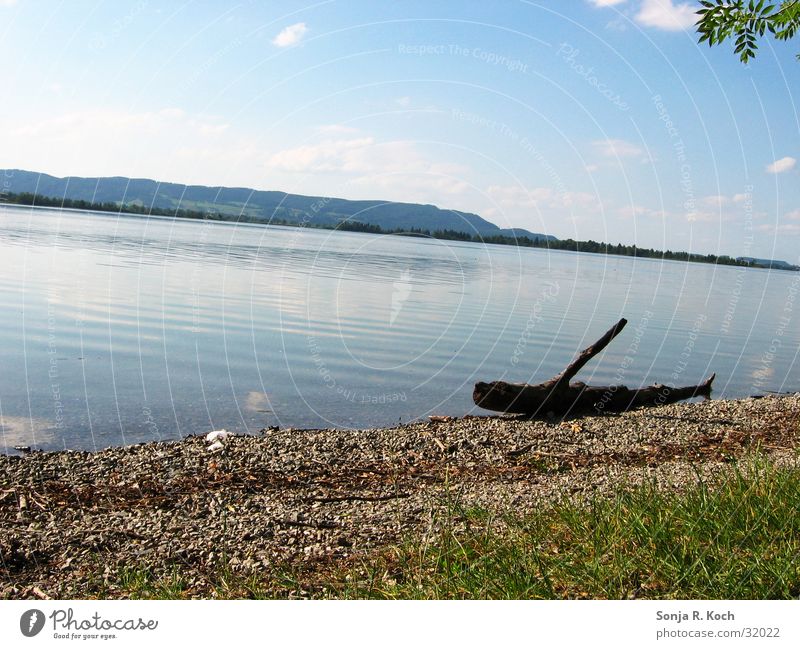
(401, 289)
(31, 622)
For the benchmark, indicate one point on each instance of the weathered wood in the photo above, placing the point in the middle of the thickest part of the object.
(590, 352)
(558, 397)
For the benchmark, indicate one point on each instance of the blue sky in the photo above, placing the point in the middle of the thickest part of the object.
(594, 119)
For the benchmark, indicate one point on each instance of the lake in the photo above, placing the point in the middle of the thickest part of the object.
(124, 329)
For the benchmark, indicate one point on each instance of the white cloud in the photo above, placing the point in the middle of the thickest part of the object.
(659, 14)
(397, 170)
(708, 216)
(174, 145)
(511, 197)
(663, 14)
(779, 166)
(514, 196)
(172, 113)
(73, 126)
(636, 211)
(430, 186)
(290, 35)
(689, 213)
(337, 129)
(715, 201)
(169, 144)
(790, 228)
(207, 129)
(328, 155)
(7, 3)
(359, 155)
(741, 198)
(539, 208)
(578, 199)
(618, 25)
(794, 215)
(614, 148)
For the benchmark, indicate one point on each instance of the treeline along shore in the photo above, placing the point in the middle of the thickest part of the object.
(350, 225)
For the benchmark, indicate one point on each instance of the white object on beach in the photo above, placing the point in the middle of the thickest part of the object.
(218, 435)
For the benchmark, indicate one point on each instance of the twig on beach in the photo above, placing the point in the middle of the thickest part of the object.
(370, 499)
(321, 525)
(40, 593)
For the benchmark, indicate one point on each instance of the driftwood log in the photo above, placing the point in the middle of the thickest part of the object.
(558, 397)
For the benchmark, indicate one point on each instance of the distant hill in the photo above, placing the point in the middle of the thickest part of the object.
(767, 263)
(255, 204)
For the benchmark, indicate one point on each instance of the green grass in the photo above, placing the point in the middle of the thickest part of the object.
(142, 583)
(217, 581)
(737, 540)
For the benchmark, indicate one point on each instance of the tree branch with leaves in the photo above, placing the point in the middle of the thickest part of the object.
(746, 21)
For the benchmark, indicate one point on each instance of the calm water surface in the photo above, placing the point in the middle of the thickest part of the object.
(120, 329)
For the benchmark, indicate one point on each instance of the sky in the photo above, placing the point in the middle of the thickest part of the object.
(590, 119)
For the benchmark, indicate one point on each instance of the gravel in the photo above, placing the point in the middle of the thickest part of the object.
(71, 521)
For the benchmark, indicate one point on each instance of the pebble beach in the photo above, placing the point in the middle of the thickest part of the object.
(71, 521)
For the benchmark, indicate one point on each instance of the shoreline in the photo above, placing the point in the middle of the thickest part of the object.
(590, 247)
(76, 520)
